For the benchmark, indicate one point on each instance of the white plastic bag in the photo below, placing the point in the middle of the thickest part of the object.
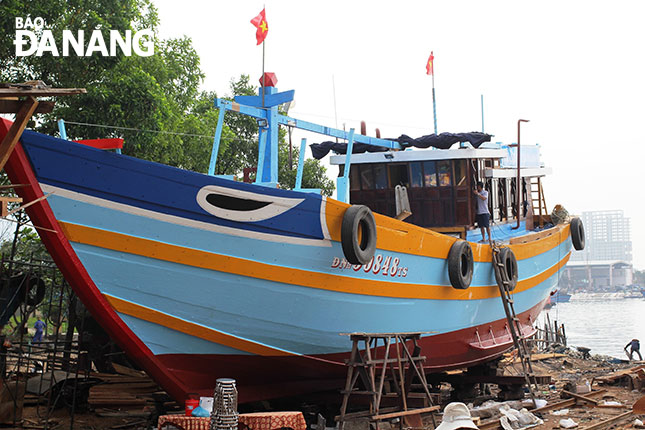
(568, 423)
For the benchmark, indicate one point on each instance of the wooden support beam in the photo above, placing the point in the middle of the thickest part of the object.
(11, 138)
(12, 106)
(4, 204)
(608, 422)
(12, 186)
(579, 397)
(405, 413)
(40, 92)
(18, 209)
(363, 414)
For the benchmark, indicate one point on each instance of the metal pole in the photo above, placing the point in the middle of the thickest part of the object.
(434, 101)
(482, 113)
(518, 188)
(263, 77)
(333, 84)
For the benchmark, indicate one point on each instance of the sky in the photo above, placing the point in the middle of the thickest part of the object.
(575, 69)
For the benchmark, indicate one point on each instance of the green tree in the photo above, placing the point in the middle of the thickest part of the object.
(313, 173)
(130, 92)
(153, 103)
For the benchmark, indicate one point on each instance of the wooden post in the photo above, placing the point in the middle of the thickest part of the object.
(23, 116)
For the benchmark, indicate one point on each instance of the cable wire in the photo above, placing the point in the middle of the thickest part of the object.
(138, 129)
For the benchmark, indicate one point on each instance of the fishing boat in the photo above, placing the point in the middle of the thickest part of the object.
(199, 277)
(561, 297)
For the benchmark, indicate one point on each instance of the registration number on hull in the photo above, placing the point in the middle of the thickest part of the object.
(386, 266)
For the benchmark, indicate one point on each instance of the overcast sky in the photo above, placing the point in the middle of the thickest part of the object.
(575, 69)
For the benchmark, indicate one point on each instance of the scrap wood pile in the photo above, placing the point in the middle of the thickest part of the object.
(129, 389)
(598, 409)
(587, 395)
(633, 378)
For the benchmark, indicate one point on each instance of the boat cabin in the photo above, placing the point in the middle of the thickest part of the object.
(440, 183)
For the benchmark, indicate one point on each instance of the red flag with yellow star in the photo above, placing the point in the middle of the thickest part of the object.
(429, 65)
(260, 22)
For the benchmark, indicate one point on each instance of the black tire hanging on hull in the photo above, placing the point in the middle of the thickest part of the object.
(577, 234)
(358, 234)
(509, 272)
(460, 265)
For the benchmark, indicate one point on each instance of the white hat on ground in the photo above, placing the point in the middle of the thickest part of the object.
(456, 416)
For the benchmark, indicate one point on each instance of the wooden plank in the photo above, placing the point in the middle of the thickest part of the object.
(12, 186)
(11, 138)
(363, 414)
(18, 209)
(613, 406)
(123, 370)
(566, 403)
(405, 413)
(533, 236)
(40, 92)
(462, 230)
(609, 421)
(579, 397)
(544, 356)
(12, 106)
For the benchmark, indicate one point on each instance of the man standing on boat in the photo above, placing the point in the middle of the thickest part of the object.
(482, 214)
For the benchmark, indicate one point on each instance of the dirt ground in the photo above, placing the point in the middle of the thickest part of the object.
(571, 371)
(568, 371)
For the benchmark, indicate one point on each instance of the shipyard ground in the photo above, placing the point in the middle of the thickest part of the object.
(133, 400)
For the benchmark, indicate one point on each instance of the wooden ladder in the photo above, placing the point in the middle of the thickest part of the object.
(523, 350)
(371, 364)
(538, 203)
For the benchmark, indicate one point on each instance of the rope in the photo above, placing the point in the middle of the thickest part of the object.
(138, 129)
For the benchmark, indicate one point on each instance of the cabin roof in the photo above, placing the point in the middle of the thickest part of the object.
(420, 155)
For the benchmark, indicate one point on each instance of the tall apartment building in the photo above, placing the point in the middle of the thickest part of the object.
(606, 261)
(608, 237)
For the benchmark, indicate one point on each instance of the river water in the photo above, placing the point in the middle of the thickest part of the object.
(603, 323)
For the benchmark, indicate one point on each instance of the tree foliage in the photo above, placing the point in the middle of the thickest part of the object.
(154, 103)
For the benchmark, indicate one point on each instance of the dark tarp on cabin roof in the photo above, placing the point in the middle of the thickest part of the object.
(439, 141)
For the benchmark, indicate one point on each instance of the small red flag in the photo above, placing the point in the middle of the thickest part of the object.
(429, 66)
(260, 22)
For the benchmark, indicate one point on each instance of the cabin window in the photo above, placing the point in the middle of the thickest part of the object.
(416, 175)
(398, 175)
(354, 178)
(460, 172)
(380, 177)
(367, 177)
(443, 168)
(430, 173)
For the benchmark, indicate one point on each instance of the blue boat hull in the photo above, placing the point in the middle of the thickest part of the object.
(199, 277)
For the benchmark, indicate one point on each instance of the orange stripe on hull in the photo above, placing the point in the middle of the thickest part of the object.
(192, 329)
(285, 275)
(398, 236)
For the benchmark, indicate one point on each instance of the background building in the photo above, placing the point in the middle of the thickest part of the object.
(606, 261)
(608, 237)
